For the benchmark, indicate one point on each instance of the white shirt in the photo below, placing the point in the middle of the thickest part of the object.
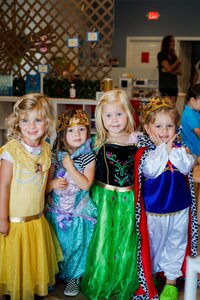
(156, 161)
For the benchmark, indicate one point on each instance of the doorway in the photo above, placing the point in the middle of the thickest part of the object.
(189, 53)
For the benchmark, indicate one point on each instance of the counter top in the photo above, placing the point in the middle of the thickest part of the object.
(54, 100)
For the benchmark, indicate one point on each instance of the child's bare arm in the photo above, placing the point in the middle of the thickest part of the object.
(5, 182)
(197, 132)
(83, 181)
(57, 183)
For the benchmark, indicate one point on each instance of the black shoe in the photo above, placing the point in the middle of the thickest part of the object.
(72, 287)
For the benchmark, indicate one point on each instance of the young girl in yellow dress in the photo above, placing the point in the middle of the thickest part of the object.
(28, 262)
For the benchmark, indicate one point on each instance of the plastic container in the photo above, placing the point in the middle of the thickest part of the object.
(72, 91)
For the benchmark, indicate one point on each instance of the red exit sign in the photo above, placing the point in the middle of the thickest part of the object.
(153, 15)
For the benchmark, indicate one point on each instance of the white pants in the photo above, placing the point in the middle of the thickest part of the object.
(168, 241)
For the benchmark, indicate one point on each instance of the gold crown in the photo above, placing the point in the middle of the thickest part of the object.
(154, 104)
(64, 121)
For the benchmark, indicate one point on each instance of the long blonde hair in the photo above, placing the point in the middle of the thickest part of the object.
(112, 96)
(26, 104)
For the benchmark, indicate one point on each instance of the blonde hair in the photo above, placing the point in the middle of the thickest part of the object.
(112, 96)
(26, 104)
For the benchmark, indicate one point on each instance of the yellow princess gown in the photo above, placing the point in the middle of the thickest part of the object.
(28, 262)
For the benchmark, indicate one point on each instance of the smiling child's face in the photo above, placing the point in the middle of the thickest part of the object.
(163, 126)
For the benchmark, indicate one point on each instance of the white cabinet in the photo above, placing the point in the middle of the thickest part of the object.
(60, 105)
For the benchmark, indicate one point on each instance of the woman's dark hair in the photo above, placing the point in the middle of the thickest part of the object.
(165, 45)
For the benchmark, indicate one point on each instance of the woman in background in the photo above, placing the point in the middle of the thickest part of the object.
(169, 68)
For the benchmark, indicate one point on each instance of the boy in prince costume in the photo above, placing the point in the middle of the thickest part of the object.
(165, 179)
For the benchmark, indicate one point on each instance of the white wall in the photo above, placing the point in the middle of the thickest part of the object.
(135, 46)
(136, 72)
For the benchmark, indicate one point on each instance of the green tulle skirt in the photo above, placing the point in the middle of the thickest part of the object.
(111, 266)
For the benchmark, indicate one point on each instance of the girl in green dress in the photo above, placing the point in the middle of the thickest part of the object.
(111, 267)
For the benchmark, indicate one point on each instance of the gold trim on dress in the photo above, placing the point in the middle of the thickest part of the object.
(114, 188)
(25, 219)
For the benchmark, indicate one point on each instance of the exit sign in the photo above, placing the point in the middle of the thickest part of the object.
(153, 15)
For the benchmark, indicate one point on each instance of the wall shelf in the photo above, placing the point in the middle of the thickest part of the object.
(60, 105)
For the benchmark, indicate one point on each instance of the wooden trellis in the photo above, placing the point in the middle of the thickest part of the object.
(34, 32)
